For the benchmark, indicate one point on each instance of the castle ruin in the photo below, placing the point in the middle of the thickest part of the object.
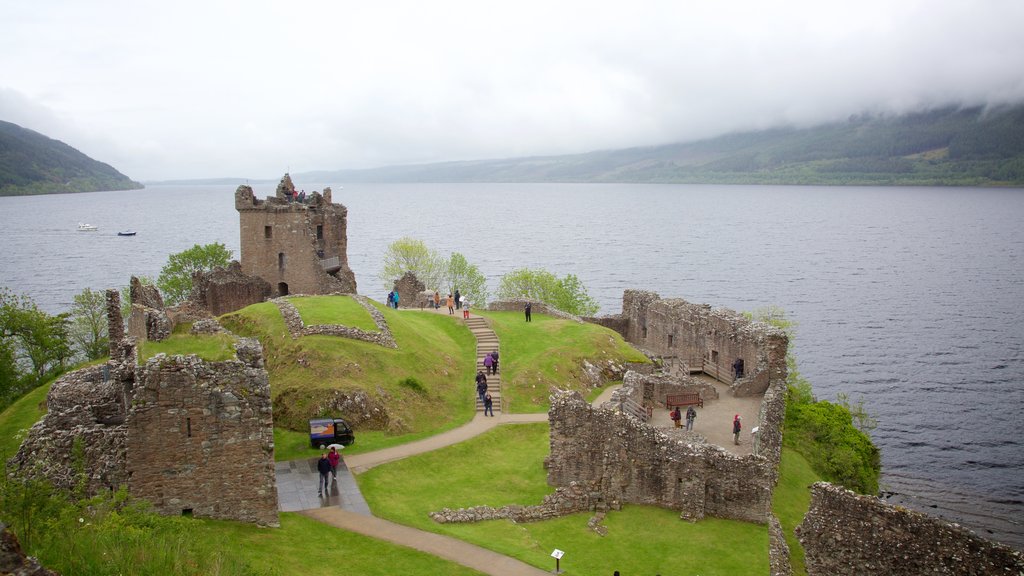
(297, 246)
(177, 431)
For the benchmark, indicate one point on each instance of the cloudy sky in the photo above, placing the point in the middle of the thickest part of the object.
(207, 88)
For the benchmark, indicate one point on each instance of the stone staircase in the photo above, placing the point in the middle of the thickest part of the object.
(486, 342)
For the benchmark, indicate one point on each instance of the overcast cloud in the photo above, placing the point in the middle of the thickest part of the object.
(249, 89)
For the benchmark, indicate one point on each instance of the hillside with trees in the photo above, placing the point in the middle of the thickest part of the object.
(944, 147)
(31, 163)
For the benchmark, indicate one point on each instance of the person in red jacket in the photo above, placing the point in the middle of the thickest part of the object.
(334, 457)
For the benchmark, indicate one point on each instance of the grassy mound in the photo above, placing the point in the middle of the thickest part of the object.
(549, 352)
(392, 396)
(317, 310)
(506, 466)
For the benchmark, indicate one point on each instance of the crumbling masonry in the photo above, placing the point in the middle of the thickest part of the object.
(297, 247)
(190, 436)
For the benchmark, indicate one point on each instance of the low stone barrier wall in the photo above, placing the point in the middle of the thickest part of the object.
(537, 307)
(844, 533)
(564, 501)
(293, 321)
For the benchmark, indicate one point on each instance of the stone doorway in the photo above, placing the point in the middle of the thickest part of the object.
(282, 288)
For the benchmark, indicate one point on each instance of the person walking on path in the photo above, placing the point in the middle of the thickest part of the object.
(691, 414)
(451, 304)
(396, 299)
(675, 416)
(391, 299)
(494, 356)
(489, 364)
(528, 310)
(437, 300)
(458, 299)
(488, 405)
(334, 457)
(465, 309)
(323, 466)
(736, 427)
(461, 301)
(481, 384)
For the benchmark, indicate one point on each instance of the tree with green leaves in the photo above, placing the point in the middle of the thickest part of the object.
(34, 338)
(88, 328)
(467, 279)
(175, 280)
(412, 255)
(567, 294)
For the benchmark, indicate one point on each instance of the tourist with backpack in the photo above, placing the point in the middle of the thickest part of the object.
(691, 414)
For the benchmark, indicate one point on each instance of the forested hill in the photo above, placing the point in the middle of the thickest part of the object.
(951, 146)
(31, 163)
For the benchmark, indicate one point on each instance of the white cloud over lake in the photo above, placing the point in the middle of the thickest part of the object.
(251, 89)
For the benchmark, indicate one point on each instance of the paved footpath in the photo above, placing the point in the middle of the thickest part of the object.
(446, 547)
(349, 512)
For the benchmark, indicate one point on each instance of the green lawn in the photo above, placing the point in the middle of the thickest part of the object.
(791, 499)
(145, 544)
(435, 351)
(549, 352)
(210, 347)
(19, 416)
(343, 310)
(505, 466)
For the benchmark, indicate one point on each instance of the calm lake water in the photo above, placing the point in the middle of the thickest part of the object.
(910, 299)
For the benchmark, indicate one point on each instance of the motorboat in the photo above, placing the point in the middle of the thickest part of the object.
(86, 227)
(127, 233)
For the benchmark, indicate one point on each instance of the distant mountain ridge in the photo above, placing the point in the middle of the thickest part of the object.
(31, 163)
(949, 146)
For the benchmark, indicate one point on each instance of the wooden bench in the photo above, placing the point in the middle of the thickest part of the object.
(691, 399)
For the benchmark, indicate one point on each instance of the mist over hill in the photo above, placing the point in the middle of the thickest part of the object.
(31, 163)
(947, 147)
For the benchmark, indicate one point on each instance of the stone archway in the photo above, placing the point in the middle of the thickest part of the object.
(282, 288)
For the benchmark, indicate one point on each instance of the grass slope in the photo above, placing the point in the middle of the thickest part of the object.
(548, 352)
(21, 415)
(790, 501)
(308, 373)
(317, 310)
(505, 466)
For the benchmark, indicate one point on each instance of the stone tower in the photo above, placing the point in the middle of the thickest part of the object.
(297, 247)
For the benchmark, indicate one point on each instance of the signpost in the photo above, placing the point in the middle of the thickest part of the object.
(557, 555)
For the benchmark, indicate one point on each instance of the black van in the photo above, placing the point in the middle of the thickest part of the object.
(326, 431)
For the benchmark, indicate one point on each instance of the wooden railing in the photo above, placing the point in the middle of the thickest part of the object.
(628, 406)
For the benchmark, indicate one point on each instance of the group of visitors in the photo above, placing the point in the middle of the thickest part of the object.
(677, 416)
(483, 394)
(292, 195)
(491, 362)
(327, 465)
(393, 299)
(454, 302)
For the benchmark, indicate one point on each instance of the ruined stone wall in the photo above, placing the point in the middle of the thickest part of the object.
(616, 322)
(284, 243)
(844, 533)
(179, 432)
(706, 338)
(627, 461)
(87, 408)
(115, 322)
(651, 389)
(227, 289)
(409, 289)
(149, 323)
(200, 437)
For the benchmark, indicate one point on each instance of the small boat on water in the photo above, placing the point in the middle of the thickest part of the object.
(127, 233)
(86, 227)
